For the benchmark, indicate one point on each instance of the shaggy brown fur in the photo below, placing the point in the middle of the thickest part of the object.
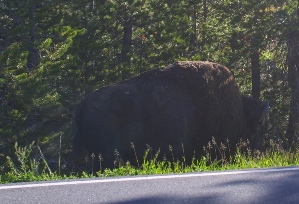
(182, 104)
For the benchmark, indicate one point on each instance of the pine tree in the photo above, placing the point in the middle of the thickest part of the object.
(35, 66)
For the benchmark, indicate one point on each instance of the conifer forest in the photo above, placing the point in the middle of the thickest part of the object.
(55, 52)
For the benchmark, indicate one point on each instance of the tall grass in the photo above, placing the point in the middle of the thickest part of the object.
(33, 167)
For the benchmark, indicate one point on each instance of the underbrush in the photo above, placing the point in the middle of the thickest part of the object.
(29, 163)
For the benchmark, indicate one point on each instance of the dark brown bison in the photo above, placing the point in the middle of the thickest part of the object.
(182, 105)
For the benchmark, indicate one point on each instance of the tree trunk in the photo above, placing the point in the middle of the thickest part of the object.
(32, 52)
(255, 59)
(205, 17)
(193, 38)
(255, 68)
(293, 79)
(127, 43)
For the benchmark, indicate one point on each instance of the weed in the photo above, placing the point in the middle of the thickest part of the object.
(59, 155)
(216, 157)
(101, 159)
(46, 163)
(133, 147)
(118, 161)
(92, 162)
(24, 167)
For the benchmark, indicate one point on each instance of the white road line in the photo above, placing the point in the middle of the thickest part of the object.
(140, 178)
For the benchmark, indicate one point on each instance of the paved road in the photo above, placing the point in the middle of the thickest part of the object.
(270, 185)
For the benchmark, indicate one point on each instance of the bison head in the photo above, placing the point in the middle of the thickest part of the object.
(256, 114)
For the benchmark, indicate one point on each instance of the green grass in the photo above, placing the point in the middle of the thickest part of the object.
(26, 167)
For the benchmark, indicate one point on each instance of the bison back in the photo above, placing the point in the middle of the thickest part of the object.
(183, 105)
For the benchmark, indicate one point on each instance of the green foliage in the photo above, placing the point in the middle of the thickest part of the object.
(27, 167)
(53, 53)
(24, 167)
(29, 164)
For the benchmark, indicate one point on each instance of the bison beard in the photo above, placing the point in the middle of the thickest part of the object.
(184, 104)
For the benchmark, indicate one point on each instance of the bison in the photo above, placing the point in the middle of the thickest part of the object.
(183, 105)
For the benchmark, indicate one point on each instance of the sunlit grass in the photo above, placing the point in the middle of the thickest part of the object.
(27, 167)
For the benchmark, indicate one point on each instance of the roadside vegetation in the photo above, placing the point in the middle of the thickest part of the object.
(54, 53)
(29, 163)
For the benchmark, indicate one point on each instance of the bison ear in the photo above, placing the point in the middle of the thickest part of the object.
(255, 109)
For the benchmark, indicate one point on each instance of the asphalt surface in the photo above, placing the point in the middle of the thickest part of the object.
(269, 185)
